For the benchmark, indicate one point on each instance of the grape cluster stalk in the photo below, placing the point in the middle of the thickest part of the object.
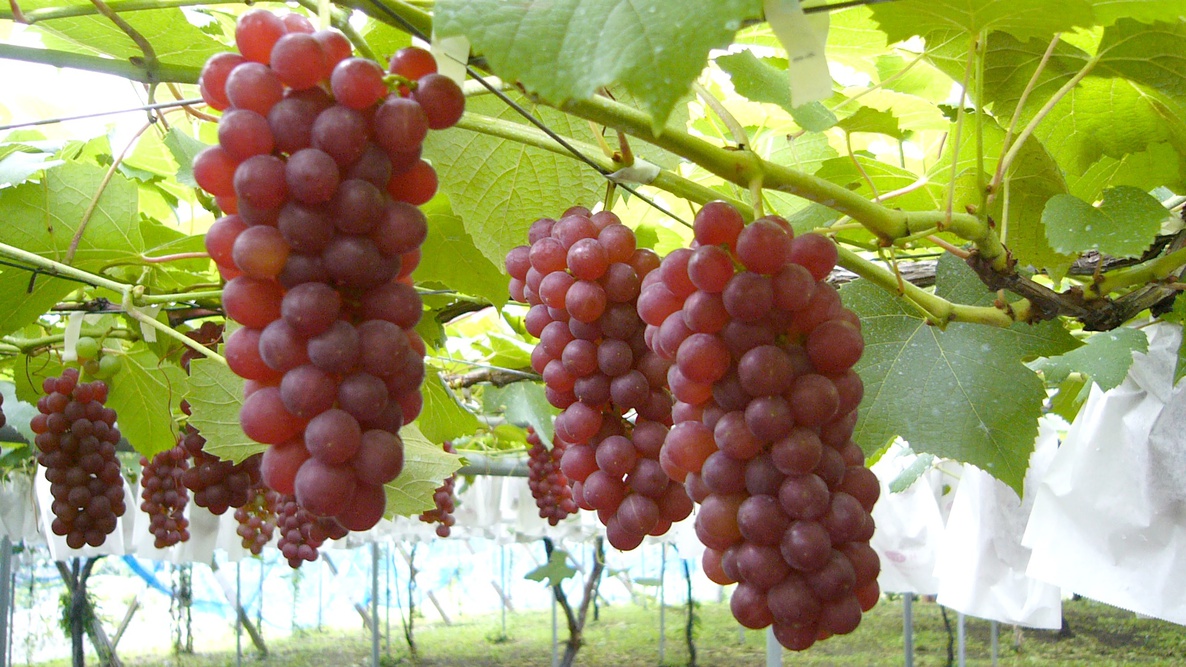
(548, 484)
(582, 274)
(75, 439)
(766, 404)
(445, 499)
(318, 168)
(164, 497)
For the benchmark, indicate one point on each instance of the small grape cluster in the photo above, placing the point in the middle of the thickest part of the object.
(164, 496)
(75, 439)
(582, 275)
(766, 396)
(257, 519)
(445, 500)
(208, 334)
(301, 532)
(3, 419)
(548, 484)
(319, 168)
(217, 485)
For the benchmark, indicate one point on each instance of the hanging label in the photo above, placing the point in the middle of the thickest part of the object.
(641, 172)
(452, 55)
(803, 37)
(73, 333)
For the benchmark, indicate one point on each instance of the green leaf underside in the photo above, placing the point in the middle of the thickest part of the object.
(450, 257)
(555, 571)
(910, 475)
(759, 81)
(426, 466)
(960, 393)
(568, 49)
(145, 395)
(525, 404)
(867, 119)
(1146, 170)
(1105, 358)
(215, 395)
(442, 417)
(1024, 20)
(1124, 224)
(500, 187)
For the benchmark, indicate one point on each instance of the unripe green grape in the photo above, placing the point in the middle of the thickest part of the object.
(109, 365)
(86, 348)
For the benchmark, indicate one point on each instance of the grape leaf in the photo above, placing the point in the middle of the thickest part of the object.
(442, 417)
(522, 403)
(31, 371)
(886, 177)
(500, 187)
(1178, 315)
(919, 466)
(450, 257)
(215, 395)
(555, 571)
(145, 394)
(1108, 12)
(24, 297)
(960, 393)
(914, 77)
(1024, 20)
(184, 149)
(426, 466)
(1071, 395)
(867, 119)
(756, 80)
(568, 49)
(854, 39)
(18, 166)
(1125, 223)
(1105, 358)
(1146, 170)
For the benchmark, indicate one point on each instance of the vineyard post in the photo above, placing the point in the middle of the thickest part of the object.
(5, 597)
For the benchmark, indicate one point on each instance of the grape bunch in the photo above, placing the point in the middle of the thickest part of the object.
(318, 167)
(766, 396)
(445, 500)
(3, 419)
(257, 519)
(75, 439)
(208, 334)
(164, 496)
(217, 485)
(582, 275)
(549, 486)
(302, 533)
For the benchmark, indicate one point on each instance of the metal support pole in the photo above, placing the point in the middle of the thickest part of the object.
(555, 655)
(239, 615)
(388, 566)
(502, 580)
(773, 649)
(961, 638)
(995, 634)
(6, 598)
(662, 602)
(375, 604)
(908, 629)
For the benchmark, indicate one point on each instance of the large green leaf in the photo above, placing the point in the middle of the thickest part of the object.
(146, 394)
(1105, 358)
(1146, 170)
(960, 393)
(450, 257)
(215, 395)
(1108, 12)
(442, 417)
(568, 49)
(426, 466)
(1124, 224)
(25, 297)
(759, 81)
(522, 403)
(1020, 18)
(500, 187)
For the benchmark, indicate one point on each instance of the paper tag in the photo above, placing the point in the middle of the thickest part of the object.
(148, 332)
(803, 37)
(73, 333)
(641, 172)
(452, 55)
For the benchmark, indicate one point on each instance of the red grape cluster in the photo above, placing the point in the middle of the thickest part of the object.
(582, 275)
(164, 496)
(76, 438)
(318, 166)
(766, 405)
(257, 519)
(216, 484)
(548, 484)
(208, 334)
(302, 533)
(3, 419)
(445, 500)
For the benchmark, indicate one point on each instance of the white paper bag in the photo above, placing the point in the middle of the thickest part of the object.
(981, 563)
(1105, 523)
(909, 526)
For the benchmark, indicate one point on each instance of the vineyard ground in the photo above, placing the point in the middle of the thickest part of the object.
(627, 636)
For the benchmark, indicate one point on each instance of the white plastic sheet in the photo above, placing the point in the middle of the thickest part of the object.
(909, 525)
(17, 519)
(981, 563)
(1106, 523)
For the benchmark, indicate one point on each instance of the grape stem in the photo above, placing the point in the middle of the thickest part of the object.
(133, 312)
(143, 44)
(27, 345)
